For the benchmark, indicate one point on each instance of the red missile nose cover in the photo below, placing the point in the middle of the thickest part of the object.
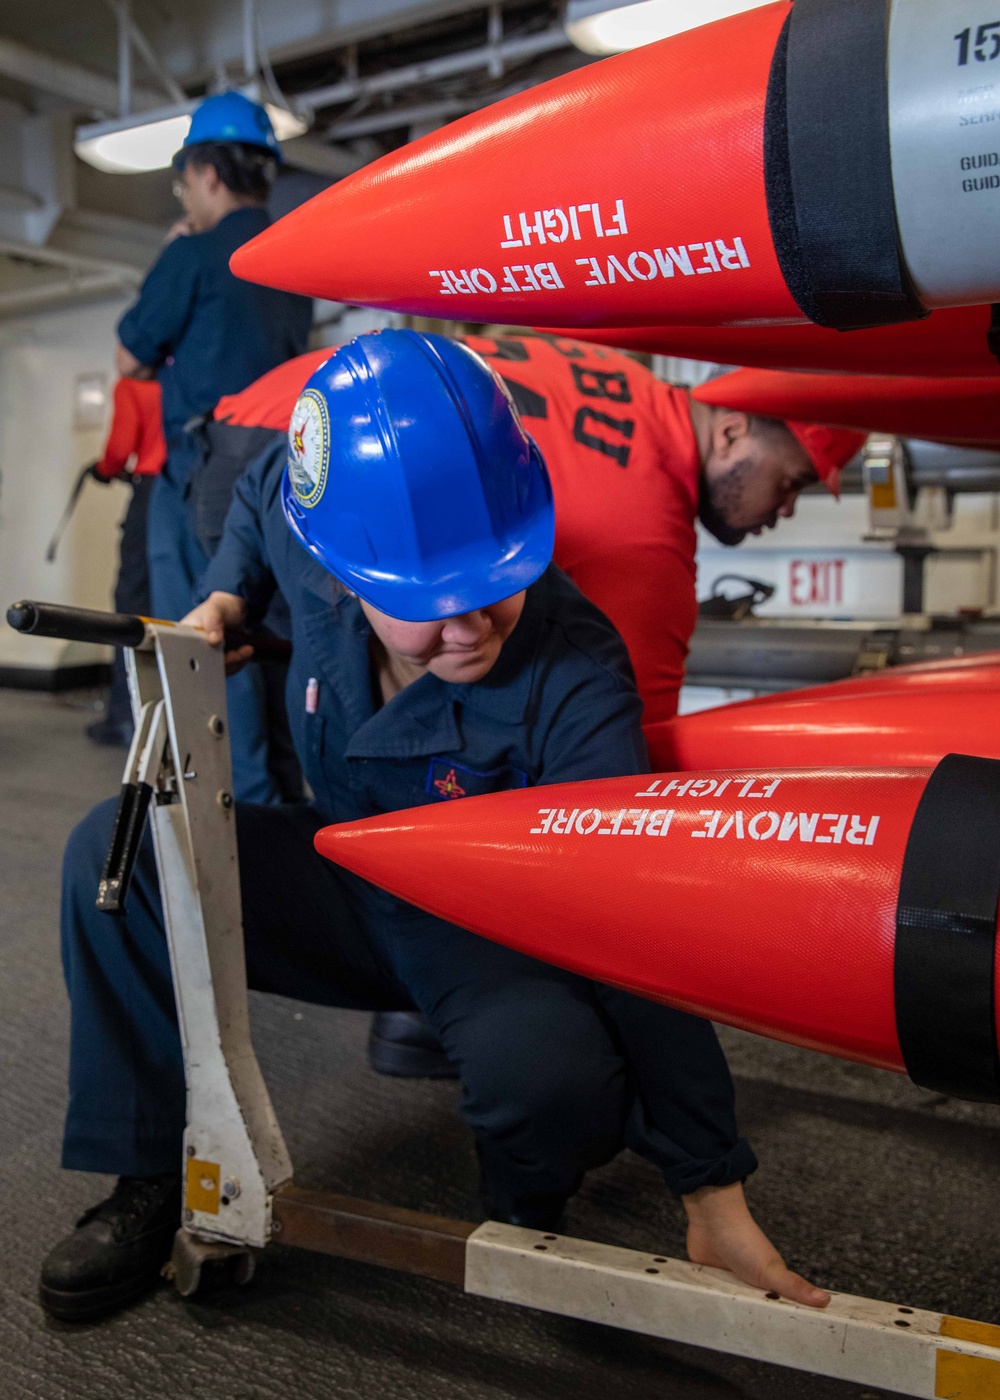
(629, 191)
(980, 671)
(948, 343)
(964, 411)
(896, 727)
(764, 900)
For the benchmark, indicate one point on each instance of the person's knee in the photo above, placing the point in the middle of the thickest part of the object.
(83, 864)
(87, 847)
(573, 1102)
(548, 1071)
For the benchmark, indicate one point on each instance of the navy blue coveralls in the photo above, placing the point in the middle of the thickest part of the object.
(558, 1072)
(207, 333)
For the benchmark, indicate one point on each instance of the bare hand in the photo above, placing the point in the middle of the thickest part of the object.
(723, 1234)
(180, 228)
(213, 616)
(128, 367)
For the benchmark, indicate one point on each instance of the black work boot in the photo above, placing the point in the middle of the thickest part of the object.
(543, 1212)
(401, 1043)
(116, 1251)
(502, 1202)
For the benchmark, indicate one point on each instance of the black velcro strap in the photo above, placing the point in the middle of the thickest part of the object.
(827, 169)
(946, 922)
(993, 334)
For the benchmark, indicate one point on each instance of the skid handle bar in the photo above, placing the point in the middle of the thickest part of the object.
(123, 629)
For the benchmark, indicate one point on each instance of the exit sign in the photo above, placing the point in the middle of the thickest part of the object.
(816, 582)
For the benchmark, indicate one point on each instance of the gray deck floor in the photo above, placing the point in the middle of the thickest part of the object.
(869, 1185)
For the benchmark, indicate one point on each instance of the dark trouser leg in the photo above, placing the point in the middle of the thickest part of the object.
(249, 738)
(126, 1078)
(131, 589)
(176, 559)
(682, 1114)
(265, 767)
(561, 1073)
(545, 1085)
(283, 761)
(176, 562)
(304, 938)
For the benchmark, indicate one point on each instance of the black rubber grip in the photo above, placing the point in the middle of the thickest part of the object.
(267, 646)
(124, 630)
(993, 334)
(76, 624)
(126, 835)
(946, 929)
(827, 167)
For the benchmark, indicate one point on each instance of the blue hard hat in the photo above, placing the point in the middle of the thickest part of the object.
(411, 479)
(229, 116)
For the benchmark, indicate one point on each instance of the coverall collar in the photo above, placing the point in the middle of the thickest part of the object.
(419, 721)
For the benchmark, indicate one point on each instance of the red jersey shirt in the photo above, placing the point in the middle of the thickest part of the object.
(269, 400)
(136, 430)
(621, 452)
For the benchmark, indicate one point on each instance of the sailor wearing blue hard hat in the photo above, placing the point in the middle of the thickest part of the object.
(205, 333)
(411, 479)
(230, 118)
(436, 655)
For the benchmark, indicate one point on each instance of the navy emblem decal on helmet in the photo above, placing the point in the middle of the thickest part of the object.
(309, 448)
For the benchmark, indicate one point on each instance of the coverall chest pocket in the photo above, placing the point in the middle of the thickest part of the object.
(447, 779)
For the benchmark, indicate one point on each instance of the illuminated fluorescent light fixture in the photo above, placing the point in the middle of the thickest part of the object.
(287, 125)
(133, 145)
(604, 26)
(148, 141)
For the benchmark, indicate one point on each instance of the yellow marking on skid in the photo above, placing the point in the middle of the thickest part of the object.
(963, 1329)
(959, 1377)
(202, 1186)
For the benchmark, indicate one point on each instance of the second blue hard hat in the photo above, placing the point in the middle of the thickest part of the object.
(411, 479)
(229, 116)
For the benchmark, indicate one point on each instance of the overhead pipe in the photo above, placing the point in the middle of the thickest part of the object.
(514, 50)
(21, 201)
(29, 252)
(69, 81)
(123, 15)
(22, 301)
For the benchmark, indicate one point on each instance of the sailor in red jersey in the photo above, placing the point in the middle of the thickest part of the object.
(135, 439)
(634, 463)
(135, 452)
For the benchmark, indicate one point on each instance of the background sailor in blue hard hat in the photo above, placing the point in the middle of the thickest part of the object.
(437, 654)
(205, 333)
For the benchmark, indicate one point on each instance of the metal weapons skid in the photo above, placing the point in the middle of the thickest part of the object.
(238, 1174)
